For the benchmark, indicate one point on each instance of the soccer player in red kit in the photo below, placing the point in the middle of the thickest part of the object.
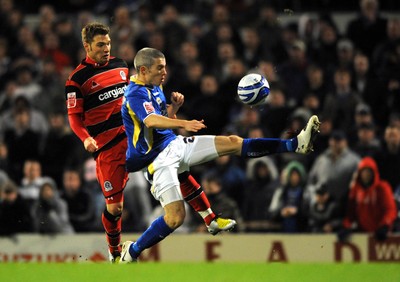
(94, 92)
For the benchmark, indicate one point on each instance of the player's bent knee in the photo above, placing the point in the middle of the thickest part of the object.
(235, 140)
(115, 209)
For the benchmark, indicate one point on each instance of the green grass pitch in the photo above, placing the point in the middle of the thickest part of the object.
(205, 272)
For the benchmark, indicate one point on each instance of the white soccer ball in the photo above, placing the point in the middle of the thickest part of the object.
(253, 89)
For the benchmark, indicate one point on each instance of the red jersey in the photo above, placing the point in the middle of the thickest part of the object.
(95, 92)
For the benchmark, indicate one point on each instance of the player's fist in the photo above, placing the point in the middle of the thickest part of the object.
(90, 145)
(177, 99)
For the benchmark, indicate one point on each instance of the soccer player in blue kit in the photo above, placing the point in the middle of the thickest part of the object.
(155, 149)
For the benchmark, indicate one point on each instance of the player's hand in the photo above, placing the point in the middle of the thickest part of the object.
(177, 99)
(194, 125)
(90, 145)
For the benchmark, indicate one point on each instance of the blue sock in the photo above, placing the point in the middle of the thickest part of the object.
(258, 147)
(156, 232)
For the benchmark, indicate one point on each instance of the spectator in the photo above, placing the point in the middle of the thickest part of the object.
(51, 212)
(345, 53)
(388, 159)
(323, 214)
(368, 144)
(22, 143)
(122, 30)
(371, 204)
(341, 103)
(333, 167)
(221, 203)
(368, 28)
(293, 72)
(232, 176)
(15, 214)
(81, 208)
(32, 180)
(287, 206)
(61, 147)
(262, 175)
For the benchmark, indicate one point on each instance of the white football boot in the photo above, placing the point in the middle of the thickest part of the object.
(307, 136)
(125, 255)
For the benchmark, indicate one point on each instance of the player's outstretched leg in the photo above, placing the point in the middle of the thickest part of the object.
(307, 135)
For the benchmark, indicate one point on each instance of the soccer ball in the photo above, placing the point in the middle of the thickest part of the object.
(253, 89)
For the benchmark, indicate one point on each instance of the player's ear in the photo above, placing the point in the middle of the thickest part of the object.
(86, 46)
(142, 69)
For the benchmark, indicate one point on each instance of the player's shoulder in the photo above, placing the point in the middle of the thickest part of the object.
(77, 72)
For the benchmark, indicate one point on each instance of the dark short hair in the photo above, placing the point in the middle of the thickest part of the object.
(93, 29)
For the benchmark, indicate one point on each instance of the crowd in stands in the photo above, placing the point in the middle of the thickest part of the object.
(350, 79)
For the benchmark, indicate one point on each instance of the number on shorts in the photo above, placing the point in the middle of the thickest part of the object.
(188, 139)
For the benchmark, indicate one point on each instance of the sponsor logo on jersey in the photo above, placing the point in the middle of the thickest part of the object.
(148, 106)
(107, 186)
(71, 100)
(123, 75)
(115, 93)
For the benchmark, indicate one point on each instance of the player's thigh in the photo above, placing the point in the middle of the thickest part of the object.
(228, 145)
(197, 150)
(165, 187)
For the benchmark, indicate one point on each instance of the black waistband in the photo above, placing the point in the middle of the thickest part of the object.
(109, 145)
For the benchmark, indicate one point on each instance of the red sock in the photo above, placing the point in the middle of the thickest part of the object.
(112, 226)
(195, 197)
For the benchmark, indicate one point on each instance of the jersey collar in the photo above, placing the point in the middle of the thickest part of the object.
(92, 62)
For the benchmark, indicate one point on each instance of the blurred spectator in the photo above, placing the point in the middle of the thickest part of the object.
(368, 144)
(253, 50)
(345, 53)
(323, 214)
(61, 147)
(174, 31)
(334, 167)
(287, 206)
(371, 204)
(231, 175)
(384, 50)
(220, 202)
(81, 208)
(137, 204)
(388, 159)
(274, 115)
(362, 115)
(122, 30)
(69, 42)
(22, 143)
(52, 51)
(32, 180)
(36, 120)
(293, 72)
(322, 142)
(317, 83)
(209, 106)
(51, 212)
(27, 86)
(15, 214)
(7, 97)
(341, 103)
(5, 60)
(368, 28)
(92, 186)
(262, 175)
(365, 82)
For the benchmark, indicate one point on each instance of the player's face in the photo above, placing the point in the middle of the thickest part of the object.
(157, 72)
(99, 49)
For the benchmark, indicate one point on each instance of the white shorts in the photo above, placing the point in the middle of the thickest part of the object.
(177, 157)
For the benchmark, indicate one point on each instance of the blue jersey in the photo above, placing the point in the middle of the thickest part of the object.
(144, 144)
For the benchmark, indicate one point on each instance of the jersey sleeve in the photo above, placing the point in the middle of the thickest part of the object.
(140, 103)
